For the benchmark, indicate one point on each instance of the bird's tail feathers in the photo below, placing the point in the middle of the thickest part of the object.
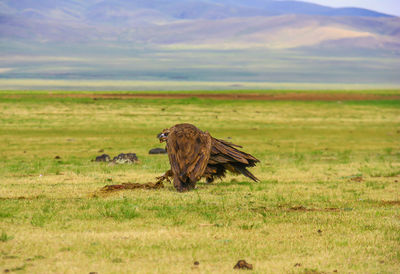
(243, 170)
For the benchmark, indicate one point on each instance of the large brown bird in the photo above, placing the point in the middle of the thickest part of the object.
(194, 154)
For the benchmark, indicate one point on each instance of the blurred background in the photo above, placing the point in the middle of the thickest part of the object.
(135, 44)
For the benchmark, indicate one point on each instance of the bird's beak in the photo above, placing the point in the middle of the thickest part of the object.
(162, 137)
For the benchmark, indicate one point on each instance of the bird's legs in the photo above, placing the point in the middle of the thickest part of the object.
(183, 186)
(209, 179)
(178, 184)
(167, 175)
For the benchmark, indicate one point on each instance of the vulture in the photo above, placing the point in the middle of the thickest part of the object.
(194, 154)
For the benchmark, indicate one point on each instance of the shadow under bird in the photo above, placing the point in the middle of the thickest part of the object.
(194, 154)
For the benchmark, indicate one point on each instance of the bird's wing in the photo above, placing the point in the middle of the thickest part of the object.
(188, 151)
(236, 161)
(224, 152)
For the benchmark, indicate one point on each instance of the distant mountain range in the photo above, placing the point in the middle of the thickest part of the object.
(113, 11)
(202, 23)
(202, 40)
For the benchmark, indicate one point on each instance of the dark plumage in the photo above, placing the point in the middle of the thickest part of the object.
(194, 154)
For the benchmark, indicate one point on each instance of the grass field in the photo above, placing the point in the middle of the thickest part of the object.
(328, 200)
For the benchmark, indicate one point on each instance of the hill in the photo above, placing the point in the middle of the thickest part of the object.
(204, 40)
(233, 23)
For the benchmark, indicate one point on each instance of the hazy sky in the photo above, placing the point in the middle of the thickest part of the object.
(386, 6)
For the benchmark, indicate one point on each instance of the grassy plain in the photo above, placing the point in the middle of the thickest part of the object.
(328, 200)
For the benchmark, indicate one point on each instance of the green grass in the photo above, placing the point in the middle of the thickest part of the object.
(4, 237)
(329, 196)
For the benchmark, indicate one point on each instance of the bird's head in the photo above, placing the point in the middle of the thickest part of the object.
(163, 136)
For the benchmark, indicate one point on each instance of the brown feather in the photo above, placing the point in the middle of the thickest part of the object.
(225, 156)
(189, 151)
(194, 154)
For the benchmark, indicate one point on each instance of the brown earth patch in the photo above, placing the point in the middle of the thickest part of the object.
(195, 265)
(242, 264)
(357, 179)
(302, 208)
(396, 202)
(313, 271)
(110, 188)
(228, 96)
(21, 198)
(297, 209)
(387, 176)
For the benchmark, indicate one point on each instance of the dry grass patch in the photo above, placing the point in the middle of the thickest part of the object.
(327, 200)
